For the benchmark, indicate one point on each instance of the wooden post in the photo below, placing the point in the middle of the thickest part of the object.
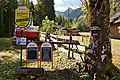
(72, 48)
(72, 53)
(70, 39)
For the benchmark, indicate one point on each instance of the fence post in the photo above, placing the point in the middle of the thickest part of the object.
(70, 39)
(72, 52)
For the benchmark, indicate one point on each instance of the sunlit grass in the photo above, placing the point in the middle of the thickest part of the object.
(115, 44)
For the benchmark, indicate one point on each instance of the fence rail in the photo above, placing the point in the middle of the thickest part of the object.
(72, 47)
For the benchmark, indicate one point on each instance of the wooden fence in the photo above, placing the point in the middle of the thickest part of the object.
(69, 44)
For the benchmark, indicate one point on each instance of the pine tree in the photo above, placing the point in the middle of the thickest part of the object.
(48, 9)
(44, 8)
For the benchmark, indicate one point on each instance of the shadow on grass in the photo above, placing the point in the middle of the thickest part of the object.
(7, 70)
(8, 65)
(66, 74)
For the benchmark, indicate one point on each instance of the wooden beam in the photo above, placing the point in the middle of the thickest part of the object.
(30, 71)
(39, 43)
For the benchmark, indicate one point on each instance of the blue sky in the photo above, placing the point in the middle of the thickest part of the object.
(62, 5)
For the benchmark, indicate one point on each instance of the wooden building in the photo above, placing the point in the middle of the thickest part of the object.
(115, 26)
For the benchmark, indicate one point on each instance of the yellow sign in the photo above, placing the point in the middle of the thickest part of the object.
(22, 16)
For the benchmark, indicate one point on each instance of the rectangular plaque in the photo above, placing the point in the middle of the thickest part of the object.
(46, 54)
(32, 55)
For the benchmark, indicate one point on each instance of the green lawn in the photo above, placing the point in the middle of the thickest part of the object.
(9, 61)
(115, 44)
(5, 43)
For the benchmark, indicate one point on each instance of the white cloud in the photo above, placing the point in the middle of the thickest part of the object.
(58, 2)
(61, 8)
(64, 8)
(74, 7)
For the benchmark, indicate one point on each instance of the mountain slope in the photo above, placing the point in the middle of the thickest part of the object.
(72, 13)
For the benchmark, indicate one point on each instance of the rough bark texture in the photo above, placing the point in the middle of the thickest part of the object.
(98, 15)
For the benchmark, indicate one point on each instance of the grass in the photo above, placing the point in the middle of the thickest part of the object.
(5, 43)
(115, 44)
(9, 61)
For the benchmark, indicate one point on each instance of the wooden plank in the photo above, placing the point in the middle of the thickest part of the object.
(64, 37)
(76, 55)
(43, 35)
(80, 47)
(77, 38)
(39, 43)
(30, 71)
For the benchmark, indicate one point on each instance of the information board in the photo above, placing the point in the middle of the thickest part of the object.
(22, 16)
(46, 52)
(32, 52)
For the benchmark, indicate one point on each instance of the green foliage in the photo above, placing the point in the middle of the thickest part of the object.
(114, 6)
(82, 22)
(7, 8)
(42, 9)
(5, 43)
(115, 78)
(74, 24)
(64, 22)
(47, 25)
(31, 7)
(84, 9)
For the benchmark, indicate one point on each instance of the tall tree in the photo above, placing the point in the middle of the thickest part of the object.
(48, 9)
(7, 8)
(12, 5)
(100, 45)
(2, 26)
(44, 8)
(38, 15)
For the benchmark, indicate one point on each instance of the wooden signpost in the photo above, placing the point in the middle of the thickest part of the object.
(46, 54)
(22, 18)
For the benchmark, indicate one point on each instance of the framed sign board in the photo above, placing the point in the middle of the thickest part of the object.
(32, 52)
(46, 52)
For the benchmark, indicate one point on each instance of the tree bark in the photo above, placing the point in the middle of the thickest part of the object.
(100, 46)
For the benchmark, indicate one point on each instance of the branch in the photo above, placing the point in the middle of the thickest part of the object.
(85, 3)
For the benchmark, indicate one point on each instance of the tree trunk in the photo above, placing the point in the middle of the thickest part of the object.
(100, 45)
(1, 26)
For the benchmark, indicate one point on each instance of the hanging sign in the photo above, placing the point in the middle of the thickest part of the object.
(32, 52)
(22, 16)
(46, 52)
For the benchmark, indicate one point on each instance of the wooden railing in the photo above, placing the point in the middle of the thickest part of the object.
(68, 45)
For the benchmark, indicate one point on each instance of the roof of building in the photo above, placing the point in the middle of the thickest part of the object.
(116, 18)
